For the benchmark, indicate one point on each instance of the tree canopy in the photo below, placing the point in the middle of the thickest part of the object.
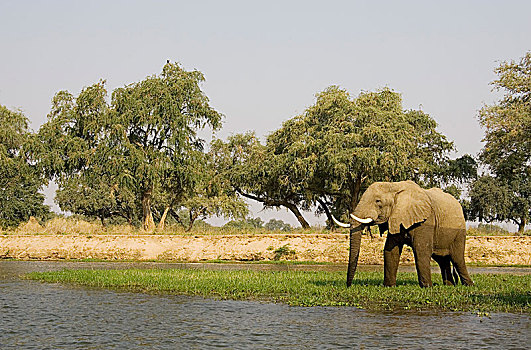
(20, 179)
(507, 149)
(134, 154)
(353, 142)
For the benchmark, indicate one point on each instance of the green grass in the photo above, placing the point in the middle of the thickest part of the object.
(501, 293)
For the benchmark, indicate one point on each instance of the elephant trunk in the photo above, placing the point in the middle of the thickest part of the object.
(355, 242)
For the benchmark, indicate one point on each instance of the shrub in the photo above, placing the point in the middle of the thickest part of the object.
(284, 252)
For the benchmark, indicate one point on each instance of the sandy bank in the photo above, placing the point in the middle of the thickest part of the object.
(301, 247)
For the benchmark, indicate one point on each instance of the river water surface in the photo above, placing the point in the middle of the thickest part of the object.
(35, 315)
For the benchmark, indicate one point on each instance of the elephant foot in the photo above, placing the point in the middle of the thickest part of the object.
(425, 285)
(468, 283)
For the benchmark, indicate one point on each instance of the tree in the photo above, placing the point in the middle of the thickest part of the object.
(20, 179)
(490, 199)
(256, 172)
(156, 123)
(507, 149)
(343, 144)
(140, 144)
(461, 170)
(96, 195)
(455, 175)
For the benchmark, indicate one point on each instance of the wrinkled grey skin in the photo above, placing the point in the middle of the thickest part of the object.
(430, 221)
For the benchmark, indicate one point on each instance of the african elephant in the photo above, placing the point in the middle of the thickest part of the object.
(430, 221)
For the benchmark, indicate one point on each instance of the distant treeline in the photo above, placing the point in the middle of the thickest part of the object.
(135, 156)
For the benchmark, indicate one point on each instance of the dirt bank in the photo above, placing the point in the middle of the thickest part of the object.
(301, 247)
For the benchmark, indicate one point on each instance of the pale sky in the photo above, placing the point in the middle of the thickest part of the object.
(265, 60)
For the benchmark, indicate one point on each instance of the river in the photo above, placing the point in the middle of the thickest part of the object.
(35, 315)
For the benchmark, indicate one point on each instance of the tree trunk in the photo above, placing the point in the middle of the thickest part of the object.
(149, 223)
(355, 195)
(162, 222)
(177, 218)
(191, 218)
(190, 225)
(328, 214)
(521, 226)
(293, 208)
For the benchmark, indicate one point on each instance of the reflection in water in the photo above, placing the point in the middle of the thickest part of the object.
(37, 315)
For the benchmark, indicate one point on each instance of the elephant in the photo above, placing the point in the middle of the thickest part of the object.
(430, 221)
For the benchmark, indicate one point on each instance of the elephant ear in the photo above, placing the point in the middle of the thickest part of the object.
(411, 206)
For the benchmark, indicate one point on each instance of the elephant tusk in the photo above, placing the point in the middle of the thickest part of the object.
(362, 221)
(339, 223)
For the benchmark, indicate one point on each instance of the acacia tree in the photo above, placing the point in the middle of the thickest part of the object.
(20, 179)
(507, 150)
(344, 144)
(138, 144)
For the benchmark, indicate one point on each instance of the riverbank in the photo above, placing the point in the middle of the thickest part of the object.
(326, 247)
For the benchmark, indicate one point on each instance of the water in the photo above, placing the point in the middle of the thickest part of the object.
(36, 315)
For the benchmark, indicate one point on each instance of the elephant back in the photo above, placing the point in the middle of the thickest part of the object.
(449, 217)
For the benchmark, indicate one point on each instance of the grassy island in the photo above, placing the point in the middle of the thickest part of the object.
(500, 293)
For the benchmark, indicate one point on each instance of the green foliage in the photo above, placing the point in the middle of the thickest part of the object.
(244, 224)
(454, 191)
(501, 293)
(138, 152)
(284, 252)
(507, 150)
(342, 144)
(156, 121)
(76, 151)
(490, 199)
(20, 179)
(461, 169)
(277, 225)
(209, 195)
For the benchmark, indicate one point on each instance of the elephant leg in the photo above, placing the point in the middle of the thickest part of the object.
(392, 250)
(459, 263)
(457, 256)
(446, 270)
(422, 250)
